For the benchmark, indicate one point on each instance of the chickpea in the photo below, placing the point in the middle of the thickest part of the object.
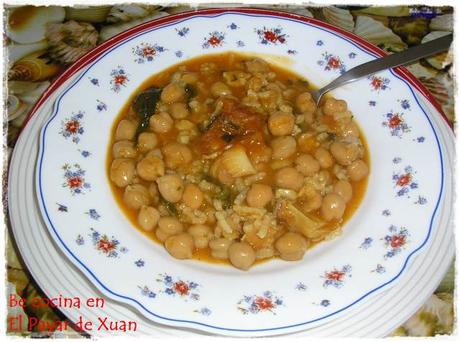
(259, 195)
(357, 170)
(307, 142)
(123, 149)
(161, 122)
(344, 153)
(344, 190)
(122, 171)
(219, 248)
(172, 93)
(148, 217)
(190, 77)
(289, 178)
(150, 168)
(201, 234)
(291, 246)
(136, 196)
(281, 123)
(241, 255)
(176, 154)
(147, 141)
(283, 147)
(257, 65)
(180, 246)
(324, 158)
(311, 202)
(333, 207)
(307, 165)
(220, 89)
(171, 187)
(168, 226)
(332, 106)
(305, 103)
(126, 130)
(178, 110)
(192, 196)
(350, 130)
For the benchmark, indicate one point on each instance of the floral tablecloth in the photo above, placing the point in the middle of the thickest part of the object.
(42, 41)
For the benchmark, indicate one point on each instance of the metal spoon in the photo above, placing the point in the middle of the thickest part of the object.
(391, 61)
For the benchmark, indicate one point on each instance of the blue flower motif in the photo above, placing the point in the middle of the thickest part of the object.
(386, 212)
(101, 106)
(85, 154)
(405, 104)
(397, 160)
(351, 55)
(232, 26)
(372, 103)
(402, 192)
(93, 214)
(301, 287)
(195, 296)
(366, 243)
(379, 269)
(420, 139)
(413, 185)
(421, 200)
(319, 43)
(168, 280)
(169, 291)
(205, 311)
(193, 285)
(292, 52)
(139, 263)
(325, 303)
(240, 43)
(179, 54)
(145, 291)
(94, 81)
(183, 31)
(80, 240)
(62, 208)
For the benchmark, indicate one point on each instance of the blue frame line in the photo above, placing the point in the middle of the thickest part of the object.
(189, 322)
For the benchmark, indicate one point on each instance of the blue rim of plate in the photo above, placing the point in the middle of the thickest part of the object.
(191, 323)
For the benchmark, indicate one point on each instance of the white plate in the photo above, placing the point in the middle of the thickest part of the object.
(12, 215)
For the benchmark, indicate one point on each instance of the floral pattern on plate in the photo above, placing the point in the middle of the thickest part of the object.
(255, 304)
(336, 277)
(73, 127)
(119, 78)
(272, 35)
(75, 180)
(395, 241)
(176, 287)
(146, 52)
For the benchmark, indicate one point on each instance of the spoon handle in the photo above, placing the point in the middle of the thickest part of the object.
(391, 61)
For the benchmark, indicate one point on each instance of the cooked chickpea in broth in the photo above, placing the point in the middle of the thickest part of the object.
(227, 159)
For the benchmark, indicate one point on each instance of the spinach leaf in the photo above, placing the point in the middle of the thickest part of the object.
(170, 207)
(144, 106)
(190, 91)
